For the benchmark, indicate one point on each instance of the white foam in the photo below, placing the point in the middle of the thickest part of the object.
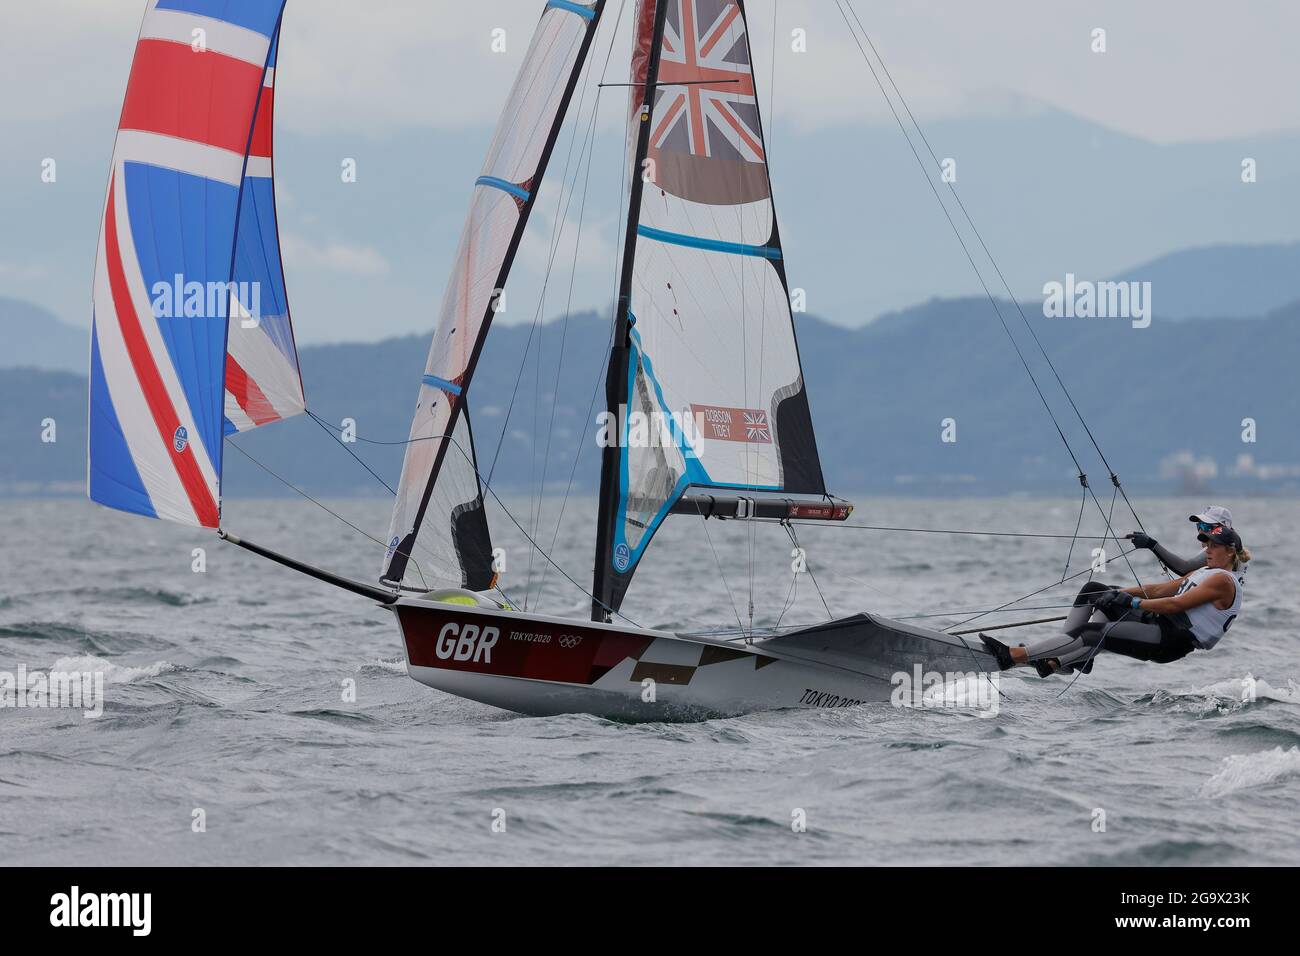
(1249, 688)
(973, 692)
(113, 673)
(1241, 771)
(396, 666)
(1228, 696)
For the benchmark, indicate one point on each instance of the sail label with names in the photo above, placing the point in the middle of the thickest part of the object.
(748, 425)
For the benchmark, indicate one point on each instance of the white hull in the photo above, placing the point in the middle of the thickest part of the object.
(542, 666)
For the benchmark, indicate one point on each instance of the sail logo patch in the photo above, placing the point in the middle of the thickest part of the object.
(622, 557)
(749, 425)
(180, 438)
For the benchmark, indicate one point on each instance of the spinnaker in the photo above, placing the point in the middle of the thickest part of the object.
(191, 336)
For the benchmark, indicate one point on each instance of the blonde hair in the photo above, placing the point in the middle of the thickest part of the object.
(1240, 556)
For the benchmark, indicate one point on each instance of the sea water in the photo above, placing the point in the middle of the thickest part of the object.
(253, 715)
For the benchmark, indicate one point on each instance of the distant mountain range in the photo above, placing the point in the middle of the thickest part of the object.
(1167, 404)
(31, 337)
(1222, 280)
(1051, 192)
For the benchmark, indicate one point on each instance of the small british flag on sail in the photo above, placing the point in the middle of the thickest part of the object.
(756, 428)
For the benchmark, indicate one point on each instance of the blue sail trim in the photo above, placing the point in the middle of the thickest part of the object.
(711, 245)
(696, 476)
(504, 185)
(585, 12)
(622, 553)
(441, 383)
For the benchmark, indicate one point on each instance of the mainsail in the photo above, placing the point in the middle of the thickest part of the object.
(188, 260)
(705, 346)
(439, 496)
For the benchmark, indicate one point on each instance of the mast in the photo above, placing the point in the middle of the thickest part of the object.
(616, 376)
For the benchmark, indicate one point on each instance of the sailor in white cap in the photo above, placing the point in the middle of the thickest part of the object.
(1209, 517)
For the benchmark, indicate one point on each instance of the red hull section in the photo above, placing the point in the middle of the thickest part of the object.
(510, 647)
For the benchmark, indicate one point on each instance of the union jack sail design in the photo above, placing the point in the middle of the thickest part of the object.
(191, 337)
(711, 342)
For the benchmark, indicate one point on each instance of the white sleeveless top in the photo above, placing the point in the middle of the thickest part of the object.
(1209, 623)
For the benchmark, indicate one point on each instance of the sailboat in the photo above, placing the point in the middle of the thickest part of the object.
(704, 344)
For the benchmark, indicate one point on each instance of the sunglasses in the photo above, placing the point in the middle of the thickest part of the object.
(1207, 528)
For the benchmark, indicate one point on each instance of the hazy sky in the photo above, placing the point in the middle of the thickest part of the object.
(369, 78)
(1174, 70)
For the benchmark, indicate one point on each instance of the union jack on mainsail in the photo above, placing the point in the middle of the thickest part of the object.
(190, 204)
(756, 427)
(706, 85)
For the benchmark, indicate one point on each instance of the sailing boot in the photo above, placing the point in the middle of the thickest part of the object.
(1000, 651)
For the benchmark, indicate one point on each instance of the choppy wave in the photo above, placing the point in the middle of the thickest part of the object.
(115, 595)
(1227, 696)
(114, 673)
(1249, 771)
(242, 707)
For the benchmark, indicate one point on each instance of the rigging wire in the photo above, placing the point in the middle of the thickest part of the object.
(322, 506)
(589, 150)
(794, 539)
(558, 229)
(1083, 504)
(451, 440)
(1083, 478)
(586, 185)
(726, 587)
(992, 534)
(329, 430)
(1014, 300)
(1088, 571)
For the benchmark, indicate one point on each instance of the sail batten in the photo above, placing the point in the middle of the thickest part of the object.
(707, 334)
(438, 469)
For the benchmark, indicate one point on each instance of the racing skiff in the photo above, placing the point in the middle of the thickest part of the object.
(703, 343)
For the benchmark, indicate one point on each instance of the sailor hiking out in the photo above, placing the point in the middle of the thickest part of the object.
(1151, 622)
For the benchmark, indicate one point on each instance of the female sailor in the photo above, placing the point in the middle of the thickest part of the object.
(1151, 622)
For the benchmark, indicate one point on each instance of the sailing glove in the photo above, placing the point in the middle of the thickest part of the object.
(1141, 539)
(1114, 599)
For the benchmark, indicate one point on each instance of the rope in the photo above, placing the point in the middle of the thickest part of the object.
(952, 187)
(1000, 607)
(329, 430)
(455, 444)
(789, 529)
(1083, 478)
(1083, 503)
(998, 534)
(1105, 632)
(291, 485)
(716, 560)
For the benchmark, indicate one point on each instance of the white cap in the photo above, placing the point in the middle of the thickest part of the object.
(1213, 514)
